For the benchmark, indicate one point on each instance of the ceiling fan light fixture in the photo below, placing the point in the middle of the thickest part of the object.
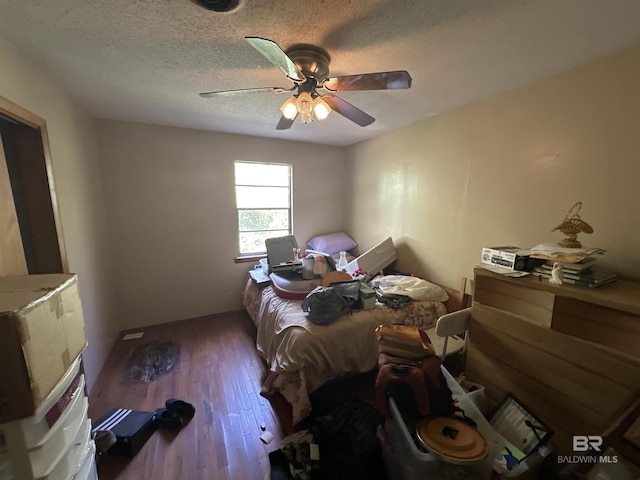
(307, 66)
(218, 5)
(305, 107)
(321, 108)
(289, 108)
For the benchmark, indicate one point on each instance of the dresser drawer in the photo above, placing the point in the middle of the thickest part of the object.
(535, 306)
(598, 324)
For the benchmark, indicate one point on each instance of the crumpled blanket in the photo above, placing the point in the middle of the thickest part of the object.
(412, 287)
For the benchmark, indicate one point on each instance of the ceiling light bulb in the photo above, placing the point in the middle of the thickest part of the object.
(305, 107)
(289, 109)
(321, 108)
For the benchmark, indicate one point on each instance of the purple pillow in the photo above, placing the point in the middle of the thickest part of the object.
(332, 243)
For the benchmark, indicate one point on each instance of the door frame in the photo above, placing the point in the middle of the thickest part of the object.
(47, 252)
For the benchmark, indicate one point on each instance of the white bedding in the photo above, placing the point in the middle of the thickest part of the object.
(302, 356)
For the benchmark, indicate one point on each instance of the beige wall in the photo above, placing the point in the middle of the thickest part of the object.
(506, 170)
(172, 217)
(76, 172)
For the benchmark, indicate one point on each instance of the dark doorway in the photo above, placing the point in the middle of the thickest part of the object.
(25, 151)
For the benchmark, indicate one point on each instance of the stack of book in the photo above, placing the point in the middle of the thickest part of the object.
(584, 273)
(403, 341)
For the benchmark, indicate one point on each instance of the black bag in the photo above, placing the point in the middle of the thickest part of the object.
(324, 305)
(131, 428)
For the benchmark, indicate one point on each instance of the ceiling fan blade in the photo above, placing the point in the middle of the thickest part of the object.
(276, 55)
(285, 123)
(347, 110)
(395, 80)
(228, 93)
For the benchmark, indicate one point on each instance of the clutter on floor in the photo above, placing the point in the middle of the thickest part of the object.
(340, 443)
(148, 361)
(122, 431)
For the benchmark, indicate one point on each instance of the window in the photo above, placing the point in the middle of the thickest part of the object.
(263, 200)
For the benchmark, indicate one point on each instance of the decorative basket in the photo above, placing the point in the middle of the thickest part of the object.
(571, 226)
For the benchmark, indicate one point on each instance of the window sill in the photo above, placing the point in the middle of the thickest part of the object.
(250, 258)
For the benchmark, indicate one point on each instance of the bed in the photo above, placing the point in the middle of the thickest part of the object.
(302, 356)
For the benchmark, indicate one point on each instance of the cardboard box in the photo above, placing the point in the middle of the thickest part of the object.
(41, 334)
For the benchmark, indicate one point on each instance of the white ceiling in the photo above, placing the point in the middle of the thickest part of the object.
(146, 61)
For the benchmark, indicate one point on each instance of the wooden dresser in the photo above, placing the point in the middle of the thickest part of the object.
(570, 354)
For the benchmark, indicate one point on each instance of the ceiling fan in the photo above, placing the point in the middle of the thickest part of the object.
(307, 66)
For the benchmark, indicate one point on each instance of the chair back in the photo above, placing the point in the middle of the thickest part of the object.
(450, 324)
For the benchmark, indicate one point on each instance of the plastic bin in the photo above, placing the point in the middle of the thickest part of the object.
(88, 469)
(70, 461)
(475, 392)
(5, 470)
(28, 432)
(48, 451)
(65, 466)
(30, 454)
(405, 461)
(471, 410)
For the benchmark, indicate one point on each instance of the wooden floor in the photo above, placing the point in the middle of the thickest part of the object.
(219, 372)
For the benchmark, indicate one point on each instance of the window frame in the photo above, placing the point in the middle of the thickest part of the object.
(250, 256)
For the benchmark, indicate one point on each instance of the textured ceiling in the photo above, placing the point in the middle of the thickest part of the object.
(146, 61)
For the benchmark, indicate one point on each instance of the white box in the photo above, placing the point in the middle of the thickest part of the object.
(514, 258)
(41, 335)
(375, 259)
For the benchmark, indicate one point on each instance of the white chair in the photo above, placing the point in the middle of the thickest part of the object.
(449, 336)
